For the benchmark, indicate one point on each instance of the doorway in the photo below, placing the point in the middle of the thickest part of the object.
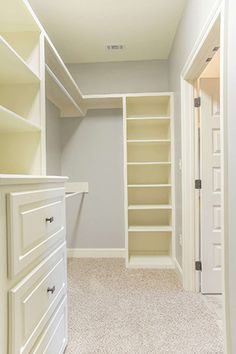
(208, 172)
(203, 165)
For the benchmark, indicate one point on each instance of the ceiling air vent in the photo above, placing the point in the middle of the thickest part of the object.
(114, 46)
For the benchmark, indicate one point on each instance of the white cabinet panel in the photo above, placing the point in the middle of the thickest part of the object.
(36, 222)
(54, 338)
(34, 299)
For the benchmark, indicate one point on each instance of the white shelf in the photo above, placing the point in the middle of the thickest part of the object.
(13, 68)
(147, 163)
(150, 261)
(146, 141)
(58, 95)
(63, 76)
(149, 207)
(148, 185)
(12, 122)
(162, 228)
(148, 118)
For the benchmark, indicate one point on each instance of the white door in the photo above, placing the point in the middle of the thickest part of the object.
(211, 235)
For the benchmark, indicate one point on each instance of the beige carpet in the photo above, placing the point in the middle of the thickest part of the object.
(113, 310)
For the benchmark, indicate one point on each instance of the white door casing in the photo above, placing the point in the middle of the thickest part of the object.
(211, 234)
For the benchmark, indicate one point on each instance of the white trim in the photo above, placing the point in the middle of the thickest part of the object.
(188, 153)
(95, 252)
(173, 184)
(187, 125)
(178, 270)
(125, 183)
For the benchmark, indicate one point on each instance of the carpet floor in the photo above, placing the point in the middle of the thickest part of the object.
(114, 310)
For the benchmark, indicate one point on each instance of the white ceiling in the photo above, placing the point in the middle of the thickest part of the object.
(80, 29)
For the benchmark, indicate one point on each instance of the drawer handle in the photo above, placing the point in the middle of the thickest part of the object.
(51, 290)
(51, 219)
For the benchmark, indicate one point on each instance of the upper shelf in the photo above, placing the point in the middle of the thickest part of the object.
(67, 96)
(13, 68)
(58, 95)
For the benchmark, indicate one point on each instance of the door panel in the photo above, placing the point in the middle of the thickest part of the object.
(211, 243)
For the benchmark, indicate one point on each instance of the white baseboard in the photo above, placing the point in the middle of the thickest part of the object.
(95, 252)
(178, 270)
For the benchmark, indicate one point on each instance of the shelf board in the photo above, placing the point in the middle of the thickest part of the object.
(146, 141)
(58, 95)
(162, 228)
(148, 185)
(64, 77)
(148, 118)
(149, 206)
(147, 163)
(12, 122)
(150, 261)
(13, 68)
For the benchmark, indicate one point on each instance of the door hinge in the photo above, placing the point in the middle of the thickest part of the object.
(197, 102)
(198, 184)
(198, 266)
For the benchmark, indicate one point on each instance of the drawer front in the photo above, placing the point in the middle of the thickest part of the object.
(54, 338)
(33, 301)
(36, 223)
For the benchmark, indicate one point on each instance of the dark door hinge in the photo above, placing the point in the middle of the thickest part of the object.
(197, 102)
(198, 184)
(198, 266)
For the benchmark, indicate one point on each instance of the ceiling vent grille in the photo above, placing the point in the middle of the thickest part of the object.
(114, 46)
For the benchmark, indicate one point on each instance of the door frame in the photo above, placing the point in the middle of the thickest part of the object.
(190, 204)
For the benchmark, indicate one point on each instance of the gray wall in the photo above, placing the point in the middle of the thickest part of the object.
(194, 18)
(121, 77)
(53, 139)
(93, 152)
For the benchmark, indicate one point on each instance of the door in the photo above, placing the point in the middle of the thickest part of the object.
(211, 235)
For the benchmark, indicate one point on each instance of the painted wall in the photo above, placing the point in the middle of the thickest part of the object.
(121, 77)
(92, 151)
(194, 18)
(53, 139)
(230, 178)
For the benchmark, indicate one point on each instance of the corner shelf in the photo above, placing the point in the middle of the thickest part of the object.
(58, 95)
(67, 96)
(13, 68)
(12, 122)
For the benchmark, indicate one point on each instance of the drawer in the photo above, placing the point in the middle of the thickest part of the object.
(36, 223)
(33, 301)
(54, 339)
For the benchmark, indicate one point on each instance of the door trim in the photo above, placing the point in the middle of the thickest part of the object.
(191, 71)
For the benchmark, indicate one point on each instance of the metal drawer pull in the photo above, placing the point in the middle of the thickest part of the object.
(51, 219)
(51, 290)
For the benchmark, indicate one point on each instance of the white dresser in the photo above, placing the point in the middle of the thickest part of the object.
(33, 265)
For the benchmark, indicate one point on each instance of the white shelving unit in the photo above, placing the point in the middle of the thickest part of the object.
(21, 90)
(149, 207)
